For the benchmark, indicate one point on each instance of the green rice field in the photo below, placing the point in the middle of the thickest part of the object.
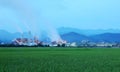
(59, 59)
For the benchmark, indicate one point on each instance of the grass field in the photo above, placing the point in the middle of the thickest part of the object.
(59, 60)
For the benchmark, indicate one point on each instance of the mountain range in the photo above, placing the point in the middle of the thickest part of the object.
(106, 37)
(88, 32)
(71, 35)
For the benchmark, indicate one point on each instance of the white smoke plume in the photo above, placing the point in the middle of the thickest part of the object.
(29, 17)
(52, 32)
(24, 10)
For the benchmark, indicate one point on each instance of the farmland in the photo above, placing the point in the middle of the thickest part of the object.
(59, 59)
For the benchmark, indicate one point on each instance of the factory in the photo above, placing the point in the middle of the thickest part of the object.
(35, 41)
(26, 41)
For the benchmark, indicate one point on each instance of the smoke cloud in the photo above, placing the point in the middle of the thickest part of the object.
(29, 18)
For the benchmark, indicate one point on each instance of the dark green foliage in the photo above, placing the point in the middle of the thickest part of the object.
(58, 45)
(63, 45)
(59, 60)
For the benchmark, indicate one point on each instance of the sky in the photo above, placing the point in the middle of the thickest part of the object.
(36, 15)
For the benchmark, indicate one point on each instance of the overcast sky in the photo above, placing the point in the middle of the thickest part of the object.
(22, 15)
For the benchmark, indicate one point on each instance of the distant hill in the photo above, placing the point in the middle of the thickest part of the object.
(8, 37)
(5, 36)
(88, 32)
(74, 37)
(108, 37)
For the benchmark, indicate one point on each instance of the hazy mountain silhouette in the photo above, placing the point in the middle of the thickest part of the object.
(88, 32)
(108, 37)
(5, 36)
(8, 37)
(74, 37)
